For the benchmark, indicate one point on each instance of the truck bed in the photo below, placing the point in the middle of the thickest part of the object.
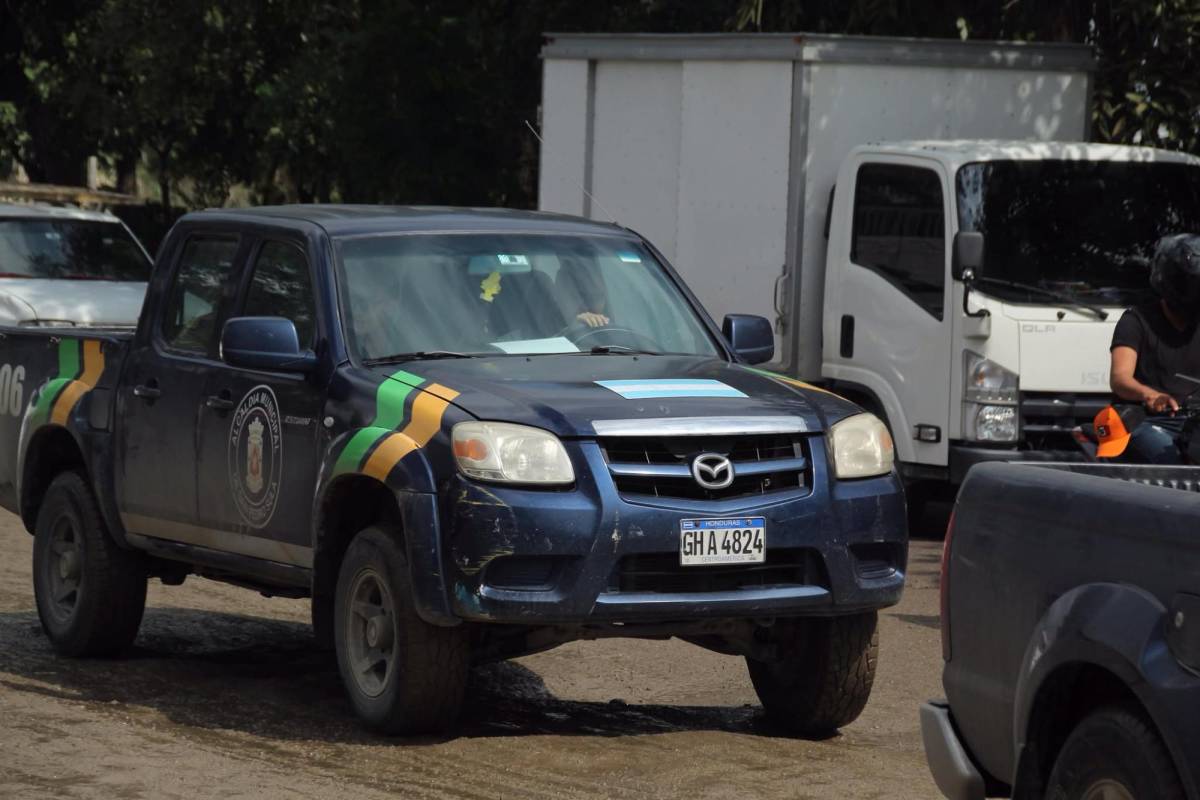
(1185, 477)
(63, 376)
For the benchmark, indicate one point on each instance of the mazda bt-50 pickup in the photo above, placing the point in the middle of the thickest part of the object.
(467, 436)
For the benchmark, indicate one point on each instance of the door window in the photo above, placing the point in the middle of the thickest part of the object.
(282, 287)
(900, 230)
(189, 323)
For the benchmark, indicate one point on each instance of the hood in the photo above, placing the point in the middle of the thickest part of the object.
(91, 303)
(566, 394)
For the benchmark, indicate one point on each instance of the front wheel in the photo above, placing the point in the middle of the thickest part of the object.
(1113, 755)
(90, 592)
(402, 674)
(823, 674)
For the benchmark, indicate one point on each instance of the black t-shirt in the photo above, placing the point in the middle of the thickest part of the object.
(1163, 350)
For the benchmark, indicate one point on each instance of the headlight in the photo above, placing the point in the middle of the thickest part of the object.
(501, 451)
(989, 401)
(995, 423)
(987, 382)
(862, 447)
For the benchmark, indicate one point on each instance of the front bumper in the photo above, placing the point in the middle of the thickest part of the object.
(591, 555)
(953, 770)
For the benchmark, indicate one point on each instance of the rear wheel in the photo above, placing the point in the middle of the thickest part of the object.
(1114, 755)
(823, 676)
(402, 674)
(90, 592)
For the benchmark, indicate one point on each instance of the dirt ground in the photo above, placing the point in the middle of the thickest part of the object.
(226, 697)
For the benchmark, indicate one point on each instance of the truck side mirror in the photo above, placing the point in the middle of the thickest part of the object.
(751, 337)
(267, 343)
(968, 253)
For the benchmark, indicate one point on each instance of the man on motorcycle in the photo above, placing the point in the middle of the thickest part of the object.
(1155, 342)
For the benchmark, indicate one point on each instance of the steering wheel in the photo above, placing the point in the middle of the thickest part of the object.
(579, 333)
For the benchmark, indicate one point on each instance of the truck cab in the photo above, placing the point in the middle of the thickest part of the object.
(972, 288)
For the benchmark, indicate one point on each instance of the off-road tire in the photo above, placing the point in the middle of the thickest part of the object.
(422, 691)
(1115, 745)
(823, 676)
(110, 597)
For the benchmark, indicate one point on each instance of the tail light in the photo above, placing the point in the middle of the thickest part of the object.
(944, 589)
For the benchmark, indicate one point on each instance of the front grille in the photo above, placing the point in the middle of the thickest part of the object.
(1047, 419)
(662, 573)
(763, 464)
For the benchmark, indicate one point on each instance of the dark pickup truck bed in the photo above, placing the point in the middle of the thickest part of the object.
(1071, 634)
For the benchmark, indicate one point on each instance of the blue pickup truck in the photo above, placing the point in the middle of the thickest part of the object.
(1071, 635)
(467, 436)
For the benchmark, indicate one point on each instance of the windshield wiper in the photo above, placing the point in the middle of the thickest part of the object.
(1062, 297)
(619, 350)
(420, 355)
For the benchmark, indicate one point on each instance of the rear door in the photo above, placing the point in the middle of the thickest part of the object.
(165, 375)
(258, 430)
(888, 325)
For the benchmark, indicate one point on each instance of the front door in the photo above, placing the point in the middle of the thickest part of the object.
(891, 331)
(257, 469)
(165, 374)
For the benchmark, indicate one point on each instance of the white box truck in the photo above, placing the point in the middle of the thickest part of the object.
(950, 160)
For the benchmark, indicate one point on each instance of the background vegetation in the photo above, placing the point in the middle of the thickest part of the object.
(423, 101)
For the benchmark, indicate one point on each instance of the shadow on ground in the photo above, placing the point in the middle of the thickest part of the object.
(214, 671)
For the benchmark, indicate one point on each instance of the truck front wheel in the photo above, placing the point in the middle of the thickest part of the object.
(823, 674)
(1113, 754)
(403, 675)
(90, 593)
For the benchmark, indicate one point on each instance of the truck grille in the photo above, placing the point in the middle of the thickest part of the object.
(662, 573)
(653, 466)
(1047, 419)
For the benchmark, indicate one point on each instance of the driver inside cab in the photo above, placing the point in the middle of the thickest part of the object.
(1157, 341)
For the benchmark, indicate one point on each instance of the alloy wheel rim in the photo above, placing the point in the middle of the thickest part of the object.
(371, 633)
(64, 569)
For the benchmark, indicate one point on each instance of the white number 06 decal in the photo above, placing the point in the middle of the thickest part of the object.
(11, 388)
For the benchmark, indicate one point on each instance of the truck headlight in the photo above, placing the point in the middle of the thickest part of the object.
(990, 395)
(501, 451)
(862, 447)
(995, 423)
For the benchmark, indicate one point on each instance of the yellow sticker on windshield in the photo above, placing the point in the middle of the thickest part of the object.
(490, 286)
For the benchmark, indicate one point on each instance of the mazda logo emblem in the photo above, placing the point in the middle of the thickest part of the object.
(712, 470)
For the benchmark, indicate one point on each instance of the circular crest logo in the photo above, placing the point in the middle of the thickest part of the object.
(256, 456)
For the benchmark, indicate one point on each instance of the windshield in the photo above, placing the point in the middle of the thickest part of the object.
(510, 293)
(70, 249)
(1083, 227)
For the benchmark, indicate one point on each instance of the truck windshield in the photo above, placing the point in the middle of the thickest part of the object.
(492, 294)
(70, 249)
(1087, 228)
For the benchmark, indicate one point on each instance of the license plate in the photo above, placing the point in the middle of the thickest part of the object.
(737, 540)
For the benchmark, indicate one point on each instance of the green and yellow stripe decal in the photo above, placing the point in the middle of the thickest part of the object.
(790, 381)
(80, 365)
(377, 448)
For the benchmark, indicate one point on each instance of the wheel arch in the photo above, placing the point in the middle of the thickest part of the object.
(51, 450)
(353, 501)
(348, 504)
(1098, 645)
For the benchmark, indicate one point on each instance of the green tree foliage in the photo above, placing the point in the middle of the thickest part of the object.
(1147, 88)
(416, 101)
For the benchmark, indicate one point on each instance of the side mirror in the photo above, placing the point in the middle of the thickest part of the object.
(967, 255)
(750, 337)
(267, 343)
